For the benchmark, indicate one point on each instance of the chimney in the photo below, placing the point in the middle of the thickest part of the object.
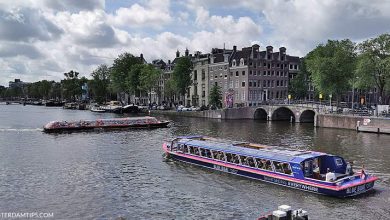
(282, 53)
(169, 61)
(186, 52)
(177, 54)
(141, 56)
(269, 52)
(234, 48)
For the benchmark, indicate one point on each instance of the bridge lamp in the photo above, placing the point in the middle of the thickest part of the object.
(289, 97)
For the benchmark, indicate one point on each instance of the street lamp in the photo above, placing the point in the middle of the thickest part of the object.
(353, 91)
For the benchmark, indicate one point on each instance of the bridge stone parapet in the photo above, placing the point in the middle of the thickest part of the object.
(293, 113)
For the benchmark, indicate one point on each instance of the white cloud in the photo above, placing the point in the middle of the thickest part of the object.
(154, 14)
(44, 38)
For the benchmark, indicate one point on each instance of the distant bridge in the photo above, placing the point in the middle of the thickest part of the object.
(298, 113)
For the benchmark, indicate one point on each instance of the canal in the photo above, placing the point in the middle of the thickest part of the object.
(100, 175)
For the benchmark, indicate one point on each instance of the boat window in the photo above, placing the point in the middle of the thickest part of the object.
(229, 157)
(251, 162)
(244, 160)
(196, 150)
(185, 149)
(278, 167)
(260, 163)
(235, 158)
(268, 165)
(207, 153)
(191, 148)
(339, 161)
(179, 147)
(202, 152)
(287, 168)
(218, 155)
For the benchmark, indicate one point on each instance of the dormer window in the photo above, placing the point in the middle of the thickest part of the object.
(234, 62)
(242, 61)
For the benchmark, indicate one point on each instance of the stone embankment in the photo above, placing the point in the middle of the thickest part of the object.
(358, 123)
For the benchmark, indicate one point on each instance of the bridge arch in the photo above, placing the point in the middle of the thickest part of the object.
(283, 114)
(307, 116)
(260, 114)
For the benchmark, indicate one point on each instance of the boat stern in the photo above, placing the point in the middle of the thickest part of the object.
(357, 185)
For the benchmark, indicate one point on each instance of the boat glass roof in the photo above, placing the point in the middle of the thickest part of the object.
(271, 153)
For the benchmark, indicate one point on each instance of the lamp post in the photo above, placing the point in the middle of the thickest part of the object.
(330, 103)
(289, 97)
(353, 92)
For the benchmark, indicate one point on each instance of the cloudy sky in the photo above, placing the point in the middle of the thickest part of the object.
(42, 39)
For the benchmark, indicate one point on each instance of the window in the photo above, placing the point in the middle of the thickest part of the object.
(234, 62)
(243, 73)
(277, 83)
(237, 73)
(278, 167)
(339, 161)
(254, 83)
(203, 74)
(250, 72)
(218, 155)
(243, 84)
(286, 168)
(237, 83)
(264, 73)
(250, 83)
(195, 75)
(263, 164)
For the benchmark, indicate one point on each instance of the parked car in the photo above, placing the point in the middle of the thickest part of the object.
(180, 108)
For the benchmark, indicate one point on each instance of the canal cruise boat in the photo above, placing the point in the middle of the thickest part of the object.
(111, 123)
(311, 171)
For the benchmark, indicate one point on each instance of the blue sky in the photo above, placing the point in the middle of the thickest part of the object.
(42, 39)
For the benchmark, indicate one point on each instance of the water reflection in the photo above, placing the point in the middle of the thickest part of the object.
(121, 173)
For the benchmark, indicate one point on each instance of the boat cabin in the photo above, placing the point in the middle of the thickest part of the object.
(297, 163)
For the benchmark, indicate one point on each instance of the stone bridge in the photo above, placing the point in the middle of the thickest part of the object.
(293, 113)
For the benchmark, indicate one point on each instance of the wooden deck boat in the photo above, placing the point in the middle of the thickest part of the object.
(304, 170)
(131, 122)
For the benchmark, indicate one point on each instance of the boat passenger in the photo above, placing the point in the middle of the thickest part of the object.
(349, 170)
(363, 174)
(330, 176)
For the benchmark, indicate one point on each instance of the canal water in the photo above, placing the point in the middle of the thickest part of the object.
(101, 175)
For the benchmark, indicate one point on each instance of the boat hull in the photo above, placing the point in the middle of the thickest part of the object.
(273, 178)
(161, 124)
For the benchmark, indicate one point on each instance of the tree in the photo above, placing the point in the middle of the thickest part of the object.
(215, 96)
(373, 67)
(148, 79)
(71, 85)
(332, 66)
(100, 83)
(182, 75)
(125, 73)
(169, 89)
(299, 85)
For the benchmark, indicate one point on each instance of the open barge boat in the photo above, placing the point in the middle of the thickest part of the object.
(311, 171)
(112, 123)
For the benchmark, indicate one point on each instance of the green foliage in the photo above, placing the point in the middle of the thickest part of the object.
(332, 66)
(373, 67)
(215, 96)
(148, 78)
(100, 83)
(125, 73)
(182, 75)
(170, 88)
(71, 85)
(299, 85)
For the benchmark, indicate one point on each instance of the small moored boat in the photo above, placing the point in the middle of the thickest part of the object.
(311, 171)
(133, 122)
